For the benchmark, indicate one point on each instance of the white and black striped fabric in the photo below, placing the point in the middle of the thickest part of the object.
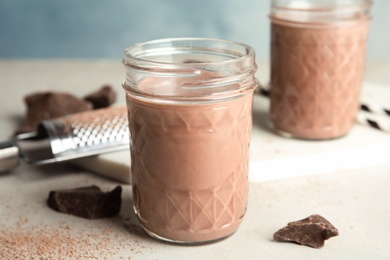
(375, 108)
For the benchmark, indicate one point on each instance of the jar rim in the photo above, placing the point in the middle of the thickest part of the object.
(189, 69)
(129, 57)
(320, 6)
(320, 14)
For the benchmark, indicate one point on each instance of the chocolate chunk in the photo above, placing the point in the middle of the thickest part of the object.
(104, 97)
(48, 105)
(311, 231)
(86, 202)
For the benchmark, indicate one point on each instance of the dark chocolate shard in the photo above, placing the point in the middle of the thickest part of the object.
(86, 202)
(102, 98)
(49, 105)
(311, 231)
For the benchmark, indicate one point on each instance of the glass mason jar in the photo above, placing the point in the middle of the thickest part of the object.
(318, 51)
(190, 116)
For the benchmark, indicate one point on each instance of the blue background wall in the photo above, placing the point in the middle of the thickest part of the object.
(102, 29)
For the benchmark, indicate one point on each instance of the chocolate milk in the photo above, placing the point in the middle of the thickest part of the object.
(189, 166)
(316, 76)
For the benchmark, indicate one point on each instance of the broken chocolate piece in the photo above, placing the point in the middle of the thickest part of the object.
(102, 98)
(49, 105)
(311, 231)
(86, 202)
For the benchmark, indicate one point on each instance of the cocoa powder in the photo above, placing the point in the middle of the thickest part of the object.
(25, 241)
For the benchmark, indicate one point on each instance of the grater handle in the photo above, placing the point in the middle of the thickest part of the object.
(9, 155)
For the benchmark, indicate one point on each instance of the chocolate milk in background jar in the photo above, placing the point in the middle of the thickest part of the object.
(318, 51)
(190, 117)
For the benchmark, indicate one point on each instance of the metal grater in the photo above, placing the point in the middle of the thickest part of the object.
(70, 137)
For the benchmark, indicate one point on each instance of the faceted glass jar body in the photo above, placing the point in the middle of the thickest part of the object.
(318, 51)
(190, 117)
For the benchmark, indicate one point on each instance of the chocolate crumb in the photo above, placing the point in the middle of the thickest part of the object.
(49, 105)
(102, 98)
(86, 202)
(311, 231)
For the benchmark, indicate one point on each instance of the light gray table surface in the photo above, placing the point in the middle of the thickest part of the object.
(355, 201)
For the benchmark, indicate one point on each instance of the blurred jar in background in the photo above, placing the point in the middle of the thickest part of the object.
(318, 51)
